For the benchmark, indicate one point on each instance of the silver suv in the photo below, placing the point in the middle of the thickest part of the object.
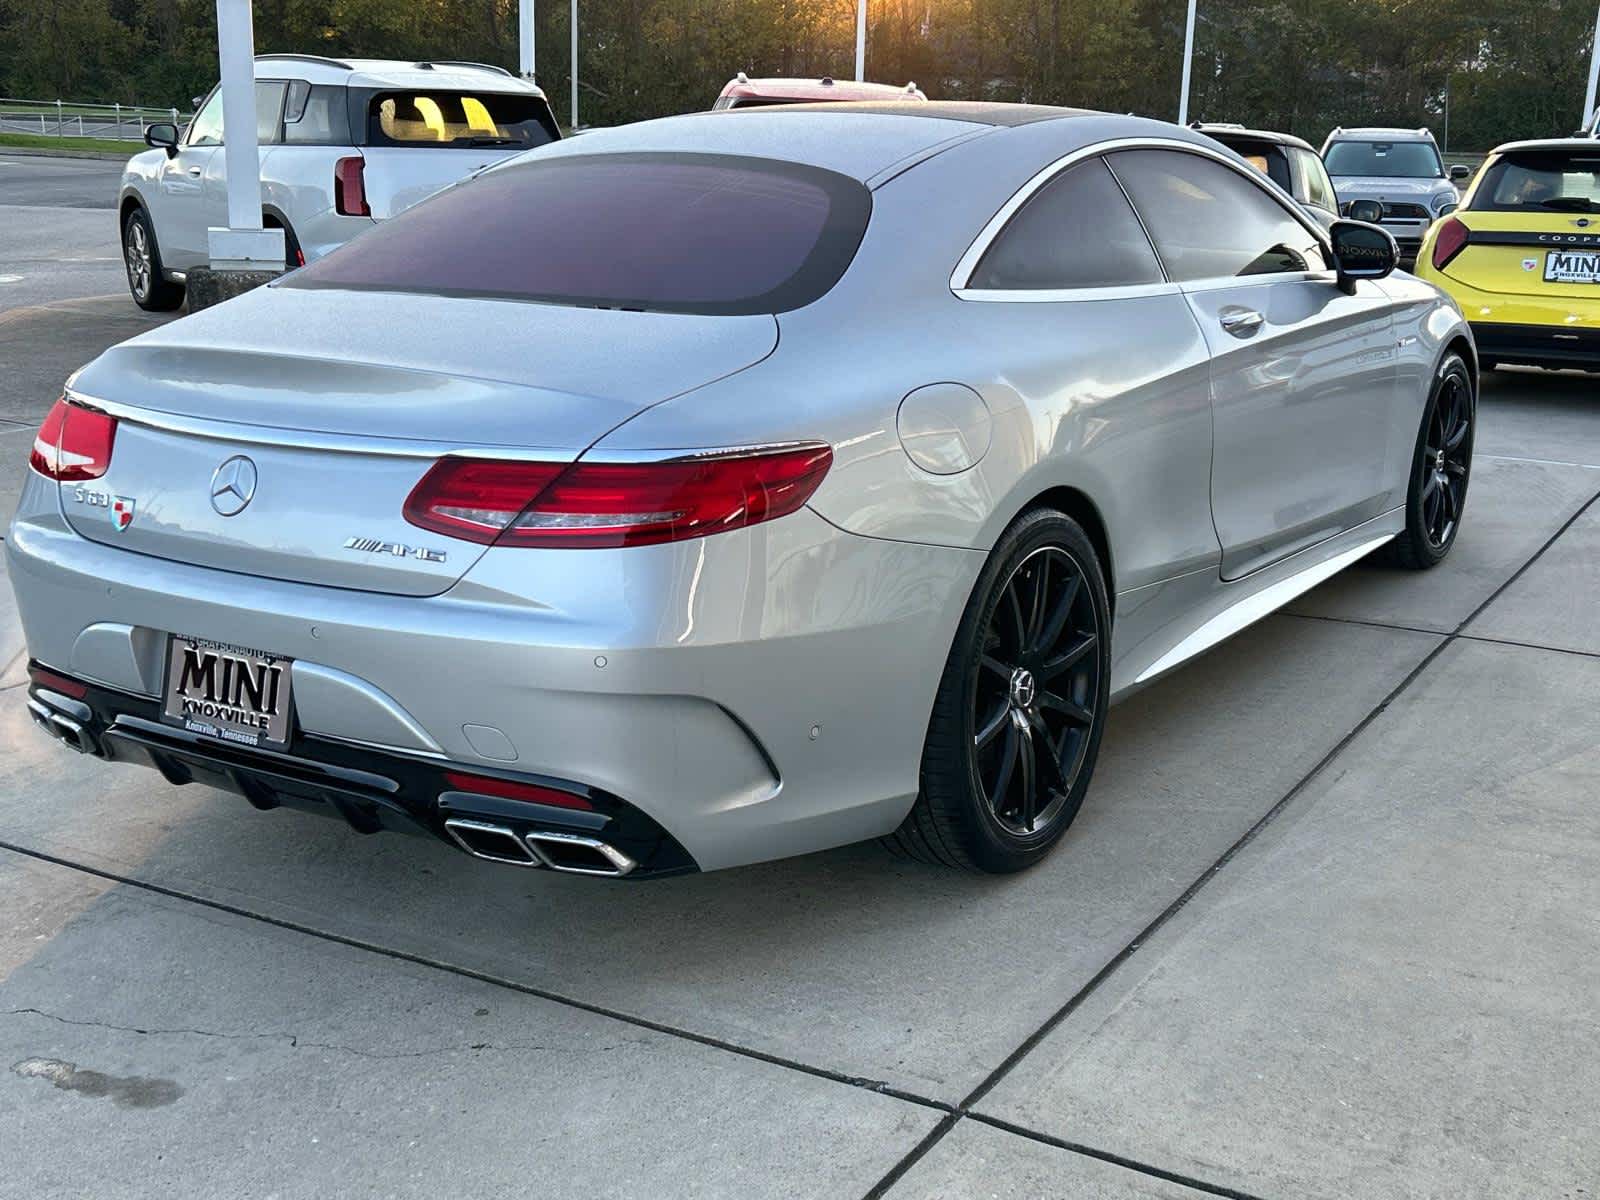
(1400, 170)
(344, 143)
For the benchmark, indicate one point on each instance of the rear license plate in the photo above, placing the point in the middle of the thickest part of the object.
(1572, 266)
(227, 692)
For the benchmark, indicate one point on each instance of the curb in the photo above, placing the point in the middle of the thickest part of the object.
(30, 152)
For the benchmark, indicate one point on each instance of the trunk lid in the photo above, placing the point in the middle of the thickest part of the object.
(396, 177)
(1507, 252)
(328, 406)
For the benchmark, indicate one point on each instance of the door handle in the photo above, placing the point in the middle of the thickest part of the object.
(195, 171)
(1241, 322)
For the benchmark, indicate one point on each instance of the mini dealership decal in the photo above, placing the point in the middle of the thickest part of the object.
(1529, 264)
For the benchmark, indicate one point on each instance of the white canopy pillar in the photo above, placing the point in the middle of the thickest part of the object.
(243, 245)
(1188, 61)
(861, 40)
(525, 36)
(1594, 73)
(574, 24)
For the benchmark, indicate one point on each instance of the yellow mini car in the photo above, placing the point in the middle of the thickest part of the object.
(1521, 255)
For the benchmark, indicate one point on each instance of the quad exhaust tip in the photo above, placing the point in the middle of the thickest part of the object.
(63, 728)
(569, 853)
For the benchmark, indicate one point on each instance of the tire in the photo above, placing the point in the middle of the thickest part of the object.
(293, 256)
(141, 257)
(1441, 468)
(997, 703)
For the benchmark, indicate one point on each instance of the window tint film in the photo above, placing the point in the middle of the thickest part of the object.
(441, 118)
(1266, 157)
(666, 232)
(1386, 160)
(1077, 231)
(1541, 181)
(1208, 221)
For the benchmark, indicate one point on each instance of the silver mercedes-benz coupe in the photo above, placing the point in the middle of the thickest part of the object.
(731, 486)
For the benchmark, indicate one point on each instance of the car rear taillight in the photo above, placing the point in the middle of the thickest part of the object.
(73, 444)
(350, 187)
(1451, 240)
(594, 505)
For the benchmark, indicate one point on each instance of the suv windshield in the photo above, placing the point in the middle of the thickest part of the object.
(1387, 160)
(441, 118)
(1541, 181)
(697, 233)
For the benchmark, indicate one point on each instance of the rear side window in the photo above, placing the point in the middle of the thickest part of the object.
(443, 118)
(1541, 181)
(1319, 188)
(1210, 222)
(695, 233)
(315, 115)
(1077, 231)
(1266, 157)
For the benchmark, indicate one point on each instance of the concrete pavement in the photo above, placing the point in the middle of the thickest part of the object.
(1326, 927)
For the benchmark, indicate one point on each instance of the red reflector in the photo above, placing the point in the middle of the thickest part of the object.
(592, 505)
(1451, 240)
(350, 187)
(59, 683)
(73, 443)
(507, 789)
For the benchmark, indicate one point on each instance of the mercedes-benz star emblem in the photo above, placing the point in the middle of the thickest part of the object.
(233, 485)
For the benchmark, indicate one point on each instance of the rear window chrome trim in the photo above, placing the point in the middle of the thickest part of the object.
(968, 263)
(1127, 291)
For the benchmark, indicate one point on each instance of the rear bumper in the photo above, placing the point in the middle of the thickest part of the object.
(371, 790)
(1538, 345)
(758, 694)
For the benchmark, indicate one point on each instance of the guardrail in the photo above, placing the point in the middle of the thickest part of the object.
(64, 118)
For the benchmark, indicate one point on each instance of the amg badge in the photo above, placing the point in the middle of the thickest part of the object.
(398, 549)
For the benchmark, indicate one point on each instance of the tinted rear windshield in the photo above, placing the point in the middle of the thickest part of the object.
(1541, 181)
(444, 118)
(1387, 160)
(691, 233)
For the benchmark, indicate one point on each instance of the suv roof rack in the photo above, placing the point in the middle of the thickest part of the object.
(430, 64)
(310, 58)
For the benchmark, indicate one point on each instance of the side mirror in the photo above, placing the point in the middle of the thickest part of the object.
(1446, 209)
(1362, 251)
(1459, 172)
(163, 134)
(1369, 211)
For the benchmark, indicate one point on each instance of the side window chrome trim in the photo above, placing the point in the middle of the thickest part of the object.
(1129, 291)
(968, 263)
(1217, 283)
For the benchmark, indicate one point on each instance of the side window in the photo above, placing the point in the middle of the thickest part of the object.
(206, 129)
(1319, 188)
(311, 114)
(1077, 231)
(1208, 221)
(269, 110)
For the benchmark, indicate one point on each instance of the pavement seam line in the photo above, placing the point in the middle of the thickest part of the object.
(1077, 999)
(877, 1086)
(1132, 1164)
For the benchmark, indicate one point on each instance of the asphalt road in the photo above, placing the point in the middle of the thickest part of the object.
(1325, 928)
(44, 182)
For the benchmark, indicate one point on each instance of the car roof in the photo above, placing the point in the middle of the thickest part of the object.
(1379, 133)
(382, 72)
(1586, 144)
(1222, 131)
(826, 88)
(866, 141)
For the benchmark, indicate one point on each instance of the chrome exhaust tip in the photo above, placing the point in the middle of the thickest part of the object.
(575, 854)
(493, 843)
(41, 717)
(72, 734)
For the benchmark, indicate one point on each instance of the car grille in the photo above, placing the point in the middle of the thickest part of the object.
(1405, 212)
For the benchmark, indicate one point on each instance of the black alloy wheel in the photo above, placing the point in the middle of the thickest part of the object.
(1021, 706)
(1034, 701)
(1441, 468)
